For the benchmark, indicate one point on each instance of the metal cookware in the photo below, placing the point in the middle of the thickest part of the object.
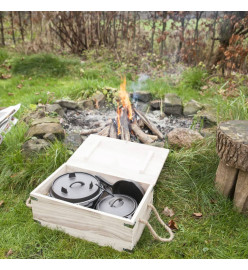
(77, 187)
(119, 204)
(126, 187)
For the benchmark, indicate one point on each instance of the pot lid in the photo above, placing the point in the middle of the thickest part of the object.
(75, 187)
(123, 159)
(119, 204)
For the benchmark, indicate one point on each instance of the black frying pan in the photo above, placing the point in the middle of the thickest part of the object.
(126, 187)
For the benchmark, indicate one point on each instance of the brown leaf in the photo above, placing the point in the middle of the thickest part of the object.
(1, 203)
(9, 253)
(10, 94)
(168, 212)
(30, 79)
(197, 215)
(37, 94)
(20, 86)
(172, 224)
(6, 76)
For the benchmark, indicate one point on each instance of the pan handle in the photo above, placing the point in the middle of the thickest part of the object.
(152, 231)
(103, 180)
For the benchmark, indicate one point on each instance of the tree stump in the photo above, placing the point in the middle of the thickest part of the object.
(232, 173)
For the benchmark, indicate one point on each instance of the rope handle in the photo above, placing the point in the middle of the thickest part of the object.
(152, 231)
(28, 202)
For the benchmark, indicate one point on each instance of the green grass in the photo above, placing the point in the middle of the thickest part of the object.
(186, 183)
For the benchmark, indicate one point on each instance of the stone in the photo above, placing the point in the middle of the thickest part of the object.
(45, 120)
(142, 106)
(173, 104)
(40, 113)
(155, 104)
(192, 107)
(207, 117)
(40, 130)
(34, 145)
(73, 141)
(86, 104)
(49, 137)
(143, 96)
(98, 99)
(54, 108)
(183, 137)
(69, 104)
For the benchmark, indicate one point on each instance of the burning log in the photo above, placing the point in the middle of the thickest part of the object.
(153, 137)
(125, 133)
(150, 125)
(140, 134)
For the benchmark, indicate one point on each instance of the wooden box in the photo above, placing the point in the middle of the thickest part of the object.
(113, 159)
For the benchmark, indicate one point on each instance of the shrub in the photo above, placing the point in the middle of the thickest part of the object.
(44, 65)
(193, 78)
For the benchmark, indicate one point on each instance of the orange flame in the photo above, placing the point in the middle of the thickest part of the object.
(118, 119)
(123, 94)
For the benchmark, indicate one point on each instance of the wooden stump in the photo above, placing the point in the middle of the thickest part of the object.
(232, 173)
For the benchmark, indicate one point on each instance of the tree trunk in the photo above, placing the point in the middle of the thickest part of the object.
(213, 39)
(196, 35)
(163, 33)
(180, 45)
(12, 26)
(21, 25)
(153, 30)
(2, 29)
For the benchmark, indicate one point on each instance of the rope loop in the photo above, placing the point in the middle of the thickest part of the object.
(152, 231)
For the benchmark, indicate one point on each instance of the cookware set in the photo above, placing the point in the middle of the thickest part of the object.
(94, 191)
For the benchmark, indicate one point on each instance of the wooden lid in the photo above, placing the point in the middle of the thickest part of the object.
(124, 159)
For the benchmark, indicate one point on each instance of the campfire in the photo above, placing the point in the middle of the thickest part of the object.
(130, 124)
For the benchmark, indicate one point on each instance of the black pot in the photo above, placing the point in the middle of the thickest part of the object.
(126, 187)
(118, 204)
(78, 187)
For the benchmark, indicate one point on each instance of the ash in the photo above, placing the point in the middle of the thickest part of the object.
(76, 120)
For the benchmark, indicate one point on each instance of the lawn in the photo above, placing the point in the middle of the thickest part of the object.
(186, 183)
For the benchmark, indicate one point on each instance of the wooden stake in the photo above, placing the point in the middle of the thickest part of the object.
(140, 134)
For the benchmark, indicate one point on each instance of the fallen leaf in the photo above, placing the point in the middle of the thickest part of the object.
(198, 215)
(10, 94)
(9, 253)
(205, 87)
(213, 201)
(6, 76)
(172, 224)
(1, 203)
(168, 212)
(20, 86)
(37, 94)
(30, 79)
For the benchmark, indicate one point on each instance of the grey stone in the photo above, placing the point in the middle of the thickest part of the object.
(55, 108)
(173, 104)
(142, 106)
(40, 130)
(99, 99)
(40, 113)
(143, 96)
(183, 137)
(69, 104)
(33, 146)
(44, 120)
(155, 104)
(207, 117)
(86, 104)
(49, 137)
(192, 107)
(73, 141)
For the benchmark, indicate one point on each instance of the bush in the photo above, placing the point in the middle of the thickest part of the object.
(193, 78)
(44, 65)
(3, 56)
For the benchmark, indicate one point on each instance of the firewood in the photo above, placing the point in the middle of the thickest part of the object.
(104, 132)
(125, 133)
(140, 134)
(113, 131)
(140, 123)
(150, 125)
(153, 137)
(95, 130)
